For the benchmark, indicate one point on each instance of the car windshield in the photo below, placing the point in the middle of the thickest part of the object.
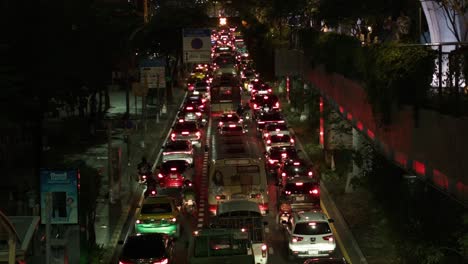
(312, 228)
(300, 187)
(156, 208)
(280, 138)
(144, 247)
(177, 146)
(189, 126)
(230, 118)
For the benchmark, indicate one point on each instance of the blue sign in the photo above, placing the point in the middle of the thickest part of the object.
(63, 186)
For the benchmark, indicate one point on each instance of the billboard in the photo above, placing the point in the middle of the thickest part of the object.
(63, 186)
(197, 45)
(153, 73)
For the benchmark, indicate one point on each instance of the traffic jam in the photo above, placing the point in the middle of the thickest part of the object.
(230, 167)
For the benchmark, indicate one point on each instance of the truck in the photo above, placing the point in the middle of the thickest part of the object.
(220, 246)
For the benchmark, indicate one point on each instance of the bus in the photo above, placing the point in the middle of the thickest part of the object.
(225, 94)
(237, 179)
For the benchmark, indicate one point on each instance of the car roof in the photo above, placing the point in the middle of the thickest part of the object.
(238, 205)
(310, 216)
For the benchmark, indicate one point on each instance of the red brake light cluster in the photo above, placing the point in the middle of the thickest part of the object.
(329, 238)
(314, 191)
(296, 239)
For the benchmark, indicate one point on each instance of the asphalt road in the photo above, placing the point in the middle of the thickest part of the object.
(213, 145)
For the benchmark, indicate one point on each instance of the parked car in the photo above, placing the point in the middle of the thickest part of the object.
(147, 248)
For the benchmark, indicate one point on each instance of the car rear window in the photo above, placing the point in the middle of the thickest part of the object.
(186, 125)
(232, 118)
(144, 247)
(236, 128)
(278, 126)
(277, 138)
(312, 228)
(296, 170)
(300, 189)
(157, 208)
(177, 146)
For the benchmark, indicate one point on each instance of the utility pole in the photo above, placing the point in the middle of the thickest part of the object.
(109, 161)
(158, 98)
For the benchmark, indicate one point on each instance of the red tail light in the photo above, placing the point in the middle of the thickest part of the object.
(329, 238)
(261, 122)
(283, 174)
(265, 135)
(173, 135)
(189, 108)
(198, 134)
(144, 177)
(268, 142)
(311, 173)
(185, 133)
(296, 239)
(314, 191)
(198, 113)
(269, 90)
(220, 123)
(232, 125)
(255, 106)
(138, 221)
(153, 192)
(299, 183)
(264, 251)
(173, 169)
(277, 105)
(296, 163)
(292, 140)
(272, 161)
(160, 175)
(163, 261)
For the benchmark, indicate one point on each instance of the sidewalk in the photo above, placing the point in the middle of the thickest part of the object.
(93, 152)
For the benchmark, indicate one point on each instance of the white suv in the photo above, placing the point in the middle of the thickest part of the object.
(309, 235)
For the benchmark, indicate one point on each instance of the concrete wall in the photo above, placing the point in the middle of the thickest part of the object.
(435, 148)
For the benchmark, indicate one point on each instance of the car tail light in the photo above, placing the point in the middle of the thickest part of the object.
(268, 142)
(232, 125)
(296, 239)
(255, 106)
(291, 140)
(189, 108)
(173, 169)
(198, 134)
(160, 175)
(314, 191)
(174, 220)
(272, 161)
(138, 221)
(261, 122)
(144, 177)
(198, 113)
(220, 197)
(311, 173)
(185, 133)
(329, 238)
(229, 115)
(264, 250)
(163, 261)
(299, 183)
(269, 90)
(283, 174)
(221, 123)
(266, 135)
(287, 192)
(284, 155)
(277, 105)
(153, 192)
(173, 135)
(181, 120)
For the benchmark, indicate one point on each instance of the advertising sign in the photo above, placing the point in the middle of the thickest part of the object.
(153, 73)
(197, 45)
(63, 186)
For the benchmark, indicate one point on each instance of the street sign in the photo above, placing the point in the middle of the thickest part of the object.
(153, 73)
(62, 187)
(197, 45)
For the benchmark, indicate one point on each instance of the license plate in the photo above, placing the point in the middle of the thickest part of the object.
(173, 176)
(313, 252)
(300, 198)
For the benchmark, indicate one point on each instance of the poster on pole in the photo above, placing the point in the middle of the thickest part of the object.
(197, 45)
(63, 186)
(153, 73)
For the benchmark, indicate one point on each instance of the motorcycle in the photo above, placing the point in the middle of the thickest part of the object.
(151, 188)
(189, 204)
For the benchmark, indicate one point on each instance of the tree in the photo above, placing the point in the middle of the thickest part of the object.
(455, 11)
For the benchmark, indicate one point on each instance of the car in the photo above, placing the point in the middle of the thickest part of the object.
(300, 194)
(309, 235)
(294, 169)
(275, 128)
(183, 130)
(158, 214)
(190, 113)
(325, 261)
(230, 118)
(178, 150)
(175, 174)
(264, 119)
(278, 140)
(277, 155)
(202, 89)
(196, 101)
(232, 130)
(261, 89)
(267, 102)
(147, 248)
(198, 73)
